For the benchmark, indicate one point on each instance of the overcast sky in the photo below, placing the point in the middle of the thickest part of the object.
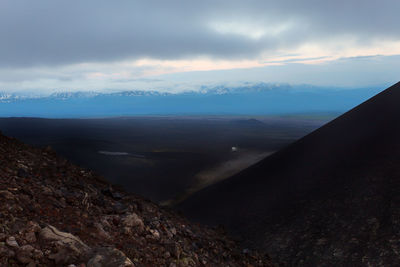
(51, 45)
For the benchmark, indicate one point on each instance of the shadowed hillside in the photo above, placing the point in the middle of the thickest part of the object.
(330, 198)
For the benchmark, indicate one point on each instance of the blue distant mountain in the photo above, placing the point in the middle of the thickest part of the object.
(259, 99)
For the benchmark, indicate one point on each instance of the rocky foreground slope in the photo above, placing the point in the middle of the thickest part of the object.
(53, 213)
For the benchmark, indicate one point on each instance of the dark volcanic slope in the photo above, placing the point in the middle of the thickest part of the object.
(53, 213)
(332, 198)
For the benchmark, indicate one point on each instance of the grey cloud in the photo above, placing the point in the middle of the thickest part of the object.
(362, 58)
(345, 72)
(144, 80)
(294, 60)
(55, 32)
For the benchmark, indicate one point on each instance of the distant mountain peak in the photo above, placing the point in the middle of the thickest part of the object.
(70, 94)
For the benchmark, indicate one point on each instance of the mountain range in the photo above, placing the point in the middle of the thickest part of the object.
(254, 99)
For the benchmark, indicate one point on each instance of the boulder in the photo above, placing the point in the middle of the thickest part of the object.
(12, 242)
(104, 257)
(24, 254)
(132, 220)
(69, 247)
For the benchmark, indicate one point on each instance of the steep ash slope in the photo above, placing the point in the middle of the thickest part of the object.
(331, 198)
(53, 213)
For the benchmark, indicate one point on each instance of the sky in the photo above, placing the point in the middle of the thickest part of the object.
(53, 45)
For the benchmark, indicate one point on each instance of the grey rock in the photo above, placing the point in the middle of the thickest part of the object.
(155, 233)
(12, 242)
(105, 257)
(133, 220)
(6, 252)
(120, 208)
(69, 247)
(2, 237)
(110, 192)
(33, 227)
(101, 232)
(50, 233)
(30, 237)
(6, 195)
(24, 254)
(37, 254)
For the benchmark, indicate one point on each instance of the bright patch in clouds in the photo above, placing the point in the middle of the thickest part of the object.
(171, 66)
(249, 30)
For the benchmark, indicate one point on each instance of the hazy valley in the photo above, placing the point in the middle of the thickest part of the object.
(163, 158)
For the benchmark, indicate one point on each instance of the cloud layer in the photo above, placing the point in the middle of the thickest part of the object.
(103, 44)
(53, 32)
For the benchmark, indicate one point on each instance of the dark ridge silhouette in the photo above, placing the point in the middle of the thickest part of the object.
(331, 198)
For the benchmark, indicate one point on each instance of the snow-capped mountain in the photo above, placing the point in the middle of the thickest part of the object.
(67, 95)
